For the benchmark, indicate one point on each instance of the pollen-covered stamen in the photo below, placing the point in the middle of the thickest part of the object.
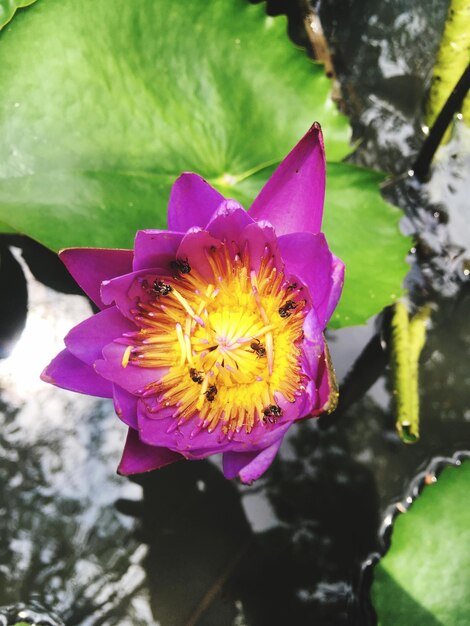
(228, 350)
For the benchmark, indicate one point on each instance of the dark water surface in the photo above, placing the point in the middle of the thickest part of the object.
(183, 546)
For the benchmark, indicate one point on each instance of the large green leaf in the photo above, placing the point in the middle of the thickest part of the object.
(105, 102)
(425, 576)
(6, 228)
(8, 9)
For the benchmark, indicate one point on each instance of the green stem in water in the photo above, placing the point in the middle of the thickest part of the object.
(408, 339)
(452, 59)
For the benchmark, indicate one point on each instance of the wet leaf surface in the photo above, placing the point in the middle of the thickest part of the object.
(425, 575)
(8, 9)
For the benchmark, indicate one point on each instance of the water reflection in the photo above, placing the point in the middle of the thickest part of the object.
(198, 537)
(384, 54)
(61, 540)
(32, 613)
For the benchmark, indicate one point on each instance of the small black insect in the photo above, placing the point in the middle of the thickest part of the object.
(211, 393)
(291, 287)
(161, 288)
(284, 310)
(271, 412)
(196, 376)
(258, 348)
(181, 265)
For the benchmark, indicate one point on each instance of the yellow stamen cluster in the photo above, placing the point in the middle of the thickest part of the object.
(230, 343)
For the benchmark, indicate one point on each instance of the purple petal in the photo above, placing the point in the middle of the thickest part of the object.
(158, 427)
(308, 400)
(132, 378)
(292, 199)
(309, 257)
(261, 240)
(336, 288)
(125, 405)
(138, 457)
(228, 221)
(125, 291)
(249, 465)
(192, 202)
(155, 248)
(90, 266)
(195, 246)
(87, 340)
(70, 373)
(313, 344)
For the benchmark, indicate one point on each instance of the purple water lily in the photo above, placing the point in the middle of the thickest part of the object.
(210, 335)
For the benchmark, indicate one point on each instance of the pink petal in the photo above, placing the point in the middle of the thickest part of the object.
(90, 266)
(87, 340)
(155, 248)
(262, 241)
(125, 291)
(131, 378)
(249, 465)
(292, 199)
(70, 373)
(192, 202)
(138, 457)
(158, 427)
(336, 288)
(313, 344)
(228, 221)
(308, 257)
(125, 405)
(195, 246)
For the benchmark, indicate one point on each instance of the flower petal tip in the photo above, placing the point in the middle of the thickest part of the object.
(249, 466)
(192, 202)
(138, 457)
(292, 199)
(46, 378)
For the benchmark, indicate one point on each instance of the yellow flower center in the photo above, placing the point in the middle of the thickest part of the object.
(231, 344)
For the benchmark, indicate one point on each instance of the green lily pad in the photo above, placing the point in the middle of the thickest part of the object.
(8, 9)
(105, 103)
(6, 228)
(425, 576)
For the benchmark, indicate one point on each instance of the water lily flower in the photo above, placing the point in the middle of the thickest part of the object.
(210, 335)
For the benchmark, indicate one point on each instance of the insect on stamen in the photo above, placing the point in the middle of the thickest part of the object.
(211, 393)
(271, 413)
(258, 348)
(181, 265)
(161, 288)
(284, 310)
(196, 376)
